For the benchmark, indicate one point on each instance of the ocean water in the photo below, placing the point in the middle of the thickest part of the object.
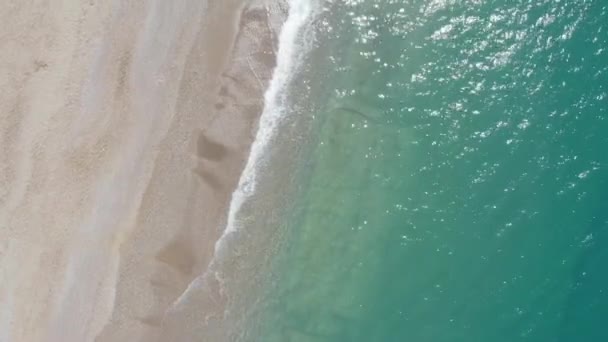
(452, 180)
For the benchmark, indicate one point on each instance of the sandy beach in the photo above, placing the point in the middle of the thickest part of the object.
(124, 128)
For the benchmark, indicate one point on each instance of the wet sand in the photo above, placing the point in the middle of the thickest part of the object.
(124, 127)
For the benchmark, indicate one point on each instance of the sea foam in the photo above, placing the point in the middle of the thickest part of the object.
(276, 106)
(291, 48)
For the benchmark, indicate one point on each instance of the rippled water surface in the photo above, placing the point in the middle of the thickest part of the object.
(456, 187)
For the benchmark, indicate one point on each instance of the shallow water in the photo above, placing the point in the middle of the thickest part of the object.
(456, 181)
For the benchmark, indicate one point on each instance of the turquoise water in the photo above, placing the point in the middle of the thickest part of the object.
(455, 183)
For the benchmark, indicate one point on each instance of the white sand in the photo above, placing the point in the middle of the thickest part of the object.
(124, 126)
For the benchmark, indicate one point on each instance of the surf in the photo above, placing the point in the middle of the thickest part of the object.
(292, 46)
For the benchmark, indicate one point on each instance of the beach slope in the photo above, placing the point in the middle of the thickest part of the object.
(124, 128)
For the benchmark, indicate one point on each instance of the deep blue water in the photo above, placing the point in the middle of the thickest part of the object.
(456, 184)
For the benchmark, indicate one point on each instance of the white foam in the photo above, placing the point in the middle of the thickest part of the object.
(276, 107)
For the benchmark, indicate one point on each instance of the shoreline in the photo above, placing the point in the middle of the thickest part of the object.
(159, 126)
(221, 145)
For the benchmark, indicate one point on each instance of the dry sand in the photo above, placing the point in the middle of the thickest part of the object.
(124, 127)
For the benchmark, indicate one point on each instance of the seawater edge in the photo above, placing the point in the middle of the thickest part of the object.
(225, 272)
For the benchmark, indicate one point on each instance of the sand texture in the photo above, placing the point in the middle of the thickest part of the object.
(124, 127)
